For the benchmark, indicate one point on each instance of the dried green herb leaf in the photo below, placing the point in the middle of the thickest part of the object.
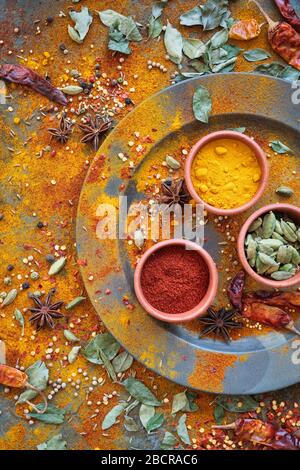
(70, 336)
(146, 412)
(219, 414)
(182, 430)
(192, 17)
(254, 55)
(173, 43)
(279, 147)
(57, 266)
(75, 302)
(122, 362)
(130, 424)
(155, 27)
(193, 48)
(140, 392)
(214, 13)
(108, 366)
(53, 415)
(121, 46)
(169, 440)
(190, 406)
(238, 129)
(73, 354)
(82, 20)
(218, 39)
(112, 416)
(180, 401)
(54, 443)
(9, 299)
(126, 25)
(38, 375)
(226, 66)
(202, 104)
(238, 404)
(275, 69)
(20, 319)
(155, 422)
(104, 342)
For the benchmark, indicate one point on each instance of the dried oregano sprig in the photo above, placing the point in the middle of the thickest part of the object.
(272, 246)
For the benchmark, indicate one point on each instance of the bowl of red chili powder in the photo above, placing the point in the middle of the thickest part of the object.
(176, 281)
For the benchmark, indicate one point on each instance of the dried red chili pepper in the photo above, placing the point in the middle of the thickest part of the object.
(265, 434)
(283, 39)
(24, 76)
(268, 315)
(244, 30)
(279, 299)
(288, 12)
(14, 378)
(235, 289)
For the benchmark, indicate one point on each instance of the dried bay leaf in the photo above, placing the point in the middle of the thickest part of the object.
(173, 43)
(140, 392)
(254, 55)
(278, 147)
(112, 416)
(146, 412)
(82, 20)
(202, 104)
(38, 375)
(104, 342)
(182, 430)
(193, 48)
(192, 17)
(52, 415)
(155, 422)
(122, 362)
(54, 443)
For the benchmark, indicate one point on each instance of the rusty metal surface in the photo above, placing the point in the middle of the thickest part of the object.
(27, 196)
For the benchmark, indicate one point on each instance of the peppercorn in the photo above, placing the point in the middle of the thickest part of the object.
(50, 19)
(97, 66)
(128, 101)
(25, 285)
(92, 79)
(97, 74)
(40, 225)
(50, 258)
(62, 47)
(114, 82)
(10, 267)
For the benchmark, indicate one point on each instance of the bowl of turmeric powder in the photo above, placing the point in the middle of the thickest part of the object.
(227, 172)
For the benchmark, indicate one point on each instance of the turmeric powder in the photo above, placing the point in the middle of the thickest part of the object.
(226, 173)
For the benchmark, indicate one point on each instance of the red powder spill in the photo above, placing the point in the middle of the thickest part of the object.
(174, 280)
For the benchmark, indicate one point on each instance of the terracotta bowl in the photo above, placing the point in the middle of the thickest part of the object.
(261, 158)
(294, 213)
(197, 311)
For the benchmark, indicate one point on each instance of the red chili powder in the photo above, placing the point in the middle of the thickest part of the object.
(174, 280)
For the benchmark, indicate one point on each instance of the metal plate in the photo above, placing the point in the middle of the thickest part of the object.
(253, 363)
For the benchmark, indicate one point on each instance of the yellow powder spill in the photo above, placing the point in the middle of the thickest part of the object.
(226, 173)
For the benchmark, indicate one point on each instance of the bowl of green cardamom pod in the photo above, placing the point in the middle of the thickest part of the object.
(269, 245)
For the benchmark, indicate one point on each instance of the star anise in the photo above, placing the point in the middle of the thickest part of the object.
(174, 192)
(93, 129)
(63, 132)
(45, 313)
(220, 323)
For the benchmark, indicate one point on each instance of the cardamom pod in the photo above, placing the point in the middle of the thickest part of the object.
(251, 249)
(284, 191)
(260, 267)
(255, 225)
(12, 294)
(277, 236)
(288, 232)
(172, 162)
(57, 266)
(75, 302)
(268, 224)
(281, 275)
(71, 90)
(295, 256)
(267, 260)
(284, 254)
(287, 267)
(278, 228)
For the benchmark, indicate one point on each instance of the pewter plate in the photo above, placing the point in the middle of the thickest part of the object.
(254, 362)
